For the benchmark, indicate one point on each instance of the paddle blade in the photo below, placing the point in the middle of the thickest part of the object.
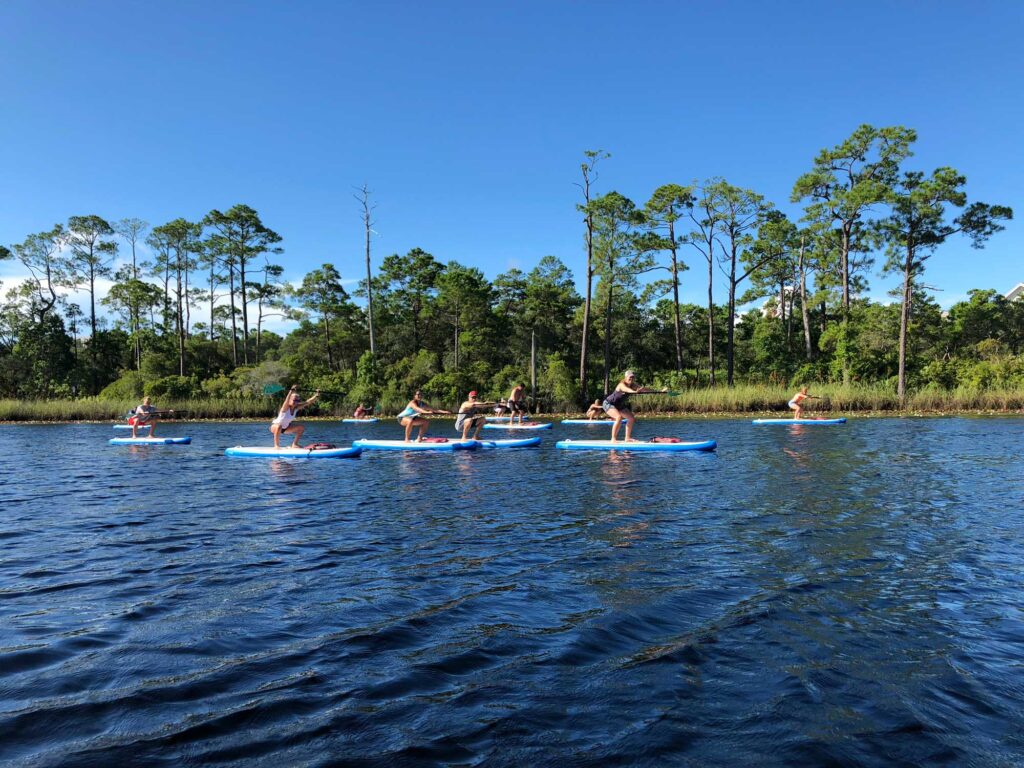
(272, 389)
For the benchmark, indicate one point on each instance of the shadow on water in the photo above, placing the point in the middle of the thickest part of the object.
(806, 596)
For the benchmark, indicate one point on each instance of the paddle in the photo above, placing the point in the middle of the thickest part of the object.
(273, 389)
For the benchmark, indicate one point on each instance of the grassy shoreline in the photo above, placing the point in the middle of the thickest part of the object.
(742, 400)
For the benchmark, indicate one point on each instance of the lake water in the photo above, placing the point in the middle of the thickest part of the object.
(805, 596)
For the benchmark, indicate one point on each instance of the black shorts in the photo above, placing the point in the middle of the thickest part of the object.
(517, 406)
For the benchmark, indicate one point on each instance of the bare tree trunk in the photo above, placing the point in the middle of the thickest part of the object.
(805, 311)
(327, 339)
(844, 265)
(789, 319)
(245, 312)
(731, 330)
(364, 199)
(457, 361)
(234, 328)
(675, 298)
(213, 265)
(188, 311)
(585, 341)
(908, 282)
(180, 319)
(711, 314)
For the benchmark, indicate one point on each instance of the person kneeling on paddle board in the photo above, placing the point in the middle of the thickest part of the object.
(410, 416)
(145, 415)
(362, 412)
(595, 411)
(289, 410)
(616, 404)
(797, 402)
(469, 416)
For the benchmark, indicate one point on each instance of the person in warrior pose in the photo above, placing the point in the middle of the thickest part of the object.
(616, 404)
(286, 417)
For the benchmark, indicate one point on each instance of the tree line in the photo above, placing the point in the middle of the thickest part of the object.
(190, 319)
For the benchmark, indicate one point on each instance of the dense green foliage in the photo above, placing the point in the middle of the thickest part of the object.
(190, 324)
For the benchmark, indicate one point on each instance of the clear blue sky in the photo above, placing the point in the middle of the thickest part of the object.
(468, 119)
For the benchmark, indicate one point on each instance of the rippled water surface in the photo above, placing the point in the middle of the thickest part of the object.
(804, 596)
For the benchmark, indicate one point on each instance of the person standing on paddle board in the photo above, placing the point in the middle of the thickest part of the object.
(145, 415)
(517, 403)
(616, 404)
(797, 402)
(286, 416)
(410, 416)
(469, 416)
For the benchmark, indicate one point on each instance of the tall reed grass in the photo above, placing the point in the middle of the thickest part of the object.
(742, 398)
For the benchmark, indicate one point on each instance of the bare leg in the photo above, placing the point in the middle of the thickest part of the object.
(614, 413)
(423, 429)
(276, 431)
(152, 426)
(479, 424)
(630, 420)
(299, 429)
(407, 423)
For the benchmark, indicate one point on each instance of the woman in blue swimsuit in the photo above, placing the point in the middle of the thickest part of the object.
(412, 416)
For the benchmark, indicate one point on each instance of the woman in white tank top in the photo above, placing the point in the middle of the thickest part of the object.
(289, 410)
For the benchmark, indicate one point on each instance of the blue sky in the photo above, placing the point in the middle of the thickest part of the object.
(468, 120)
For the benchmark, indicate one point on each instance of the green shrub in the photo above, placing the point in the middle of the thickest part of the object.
(171, 388)
(220, 386)
(130, 386)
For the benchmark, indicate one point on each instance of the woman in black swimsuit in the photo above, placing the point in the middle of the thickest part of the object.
(616, 404)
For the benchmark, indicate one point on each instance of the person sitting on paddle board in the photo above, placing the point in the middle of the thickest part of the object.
(362, 412)
(145, 414)
(469, 416)
(797, 402)
(517, 403)
(500, 408)
(595, 411)
(616, 404)
(289, 410)
(410, 416)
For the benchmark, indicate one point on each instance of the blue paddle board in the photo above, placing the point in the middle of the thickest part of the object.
(270, 452)
(546, 425)
(412, 445)
(608, 445)
(820, 422)
(525, 442)
(150, 440)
